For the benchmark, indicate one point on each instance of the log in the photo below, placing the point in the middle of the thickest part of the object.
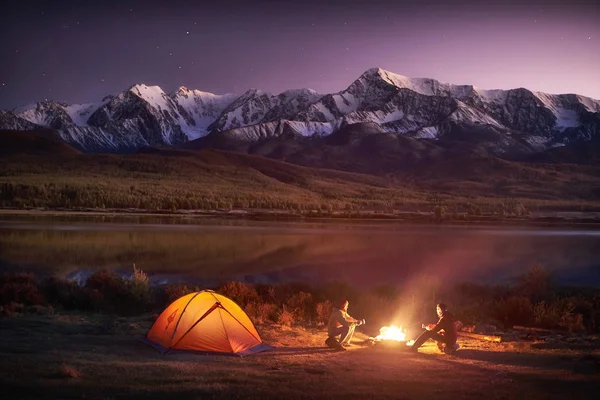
(488, 338)
(532, 329)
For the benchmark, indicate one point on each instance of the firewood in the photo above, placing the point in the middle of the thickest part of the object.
(488, 338)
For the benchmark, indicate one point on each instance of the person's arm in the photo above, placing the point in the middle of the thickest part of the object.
(347, 320)
(350, 320)
(439, 326)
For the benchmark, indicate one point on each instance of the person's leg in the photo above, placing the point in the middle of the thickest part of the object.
(333, 342)
(346, 336)
(441, 338)
(444, 344)
(421, 339)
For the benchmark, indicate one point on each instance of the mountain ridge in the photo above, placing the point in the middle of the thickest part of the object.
(516, 121)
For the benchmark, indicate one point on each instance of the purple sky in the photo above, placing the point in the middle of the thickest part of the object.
(79, 51)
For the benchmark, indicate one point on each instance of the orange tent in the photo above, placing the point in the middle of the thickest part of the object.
(205, 322)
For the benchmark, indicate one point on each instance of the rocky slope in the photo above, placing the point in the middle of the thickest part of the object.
(505, 123)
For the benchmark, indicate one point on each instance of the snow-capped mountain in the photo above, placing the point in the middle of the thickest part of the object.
(503, 121)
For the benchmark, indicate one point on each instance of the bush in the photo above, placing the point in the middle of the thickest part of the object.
(139, 286)
(285, 291)
(513, 311)
(302, 305)
(20, 288)
(324, 310)
(285, 317)
(535, 284)
(65, 293)
(239, 292)
(262, 313)
(267, 293)
(167, 294)
(559, 314)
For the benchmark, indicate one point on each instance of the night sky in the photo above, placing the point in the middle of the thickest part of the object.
(80, 51)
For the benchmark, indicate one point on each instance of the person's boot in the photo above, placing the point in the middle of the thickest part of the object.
(331, 342)
(452, 349)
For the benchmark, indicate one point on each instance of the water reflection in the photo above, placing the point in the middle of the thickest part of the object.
(360, 253)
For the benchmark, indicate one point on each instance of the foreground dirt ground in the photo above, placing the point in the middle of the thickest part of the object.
(70, 356)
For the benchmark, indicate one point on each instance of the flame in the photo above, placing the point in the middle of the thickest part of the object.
(391, 333)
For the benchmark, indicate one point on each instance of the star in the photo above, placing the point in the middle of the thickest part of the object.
(179, 67)
(589, 38)
(187, 32)
(170, 54)
(102, 80)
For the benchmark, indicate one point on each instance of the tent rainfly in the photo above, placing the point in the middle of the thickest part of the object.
(205, 322)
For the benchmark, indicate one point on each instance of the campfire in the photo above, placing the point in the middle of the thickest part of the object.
(393, 336)
(391, 333)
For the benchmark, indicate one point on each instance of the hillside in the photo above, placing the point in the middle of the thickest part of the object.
(36, 141)
(167, 178)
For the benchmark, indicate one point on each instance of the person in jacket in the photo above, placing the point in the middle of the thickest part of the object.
(444, 332)
(341, 324)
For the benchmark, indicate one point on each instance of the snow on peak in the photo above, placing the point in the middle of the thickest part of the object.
(426, 86)
(80, 113)
(299, 92)
(153, 95)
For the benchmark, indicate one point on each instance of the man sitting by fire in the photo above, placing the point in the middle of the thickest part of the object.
(444, 332)
(341, 324)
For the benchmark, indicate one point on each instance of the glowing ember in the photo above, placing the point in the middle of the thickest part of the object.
(391, 333)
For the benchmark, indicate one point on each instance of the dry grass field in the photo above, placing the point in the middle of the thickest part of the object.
(89, 356)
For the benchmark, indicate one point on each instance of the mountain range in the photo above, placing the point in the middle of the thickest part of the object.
(381, 113)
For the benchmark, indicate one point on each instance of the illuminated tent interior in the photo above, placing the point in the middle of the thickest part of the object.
(205, 322)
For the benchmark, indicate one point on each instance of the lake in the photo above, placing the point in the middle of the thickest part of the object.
(208, 251)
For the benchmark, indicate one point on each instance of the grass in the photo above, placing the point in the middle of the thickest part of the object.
(71, 355)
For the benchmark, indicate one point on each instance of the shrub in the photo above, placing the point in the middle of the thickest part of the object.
(106, 281)
(139, 286)
(262, 313)
(536, 284)
(239, 292)
(169, 293)
(285, 291)
(559, 314)
(20, 288)
(265, 292)
(302, 306)
(324, 309)
(513, 311)
(285, 317)
(62, 292)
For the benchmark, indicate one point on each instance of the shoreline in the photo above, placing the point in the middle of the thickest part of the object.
(589, 220)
